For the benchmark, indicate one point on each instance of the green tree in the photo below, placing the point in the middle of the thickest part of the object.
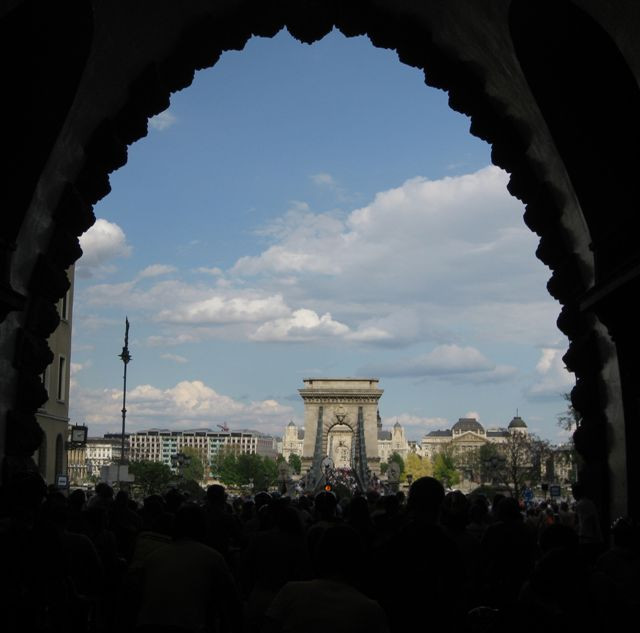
(296, 463)
(417, 467)
(225, 468)
(395, 457)
(444, 468)
(150, 477)
(193, 470)
(525, 456)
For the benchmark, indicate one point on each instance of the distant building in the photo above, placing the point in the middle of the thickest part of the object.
(102, 451)
(158, 445)
(390, 442)
(468, 434)
(339, 442)
(292, 441)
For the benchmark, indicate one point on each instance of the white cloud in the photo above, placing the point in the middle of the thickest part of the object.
(215, 271)
(452, 253)
(323, 178)
(189, 404)
(552, 377)
(162, 121)
(302, 325)
(452, 362)
(156, 270)
(176, 358)
(103, 242)
(220, 309)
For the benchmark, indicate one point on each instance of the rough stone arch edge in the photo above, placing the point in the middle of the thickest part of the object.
(200, 46)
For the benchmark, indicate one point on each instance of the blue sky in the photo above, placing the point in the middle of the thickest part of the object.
(306, 211)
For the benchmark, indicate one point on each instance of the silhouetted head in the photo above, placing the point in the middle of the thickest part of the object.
(325, 504)
(262, 499)
(216, 495)
(77, 499)
(104, 490)
(455, 510)
(508, 510)
(577, 489)
(190, 522)
(122, 498)
(557, 536)
(425, 497)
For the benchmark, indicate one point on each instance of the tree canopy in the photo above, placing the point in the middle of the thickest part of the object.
(445, 469)
(151, 477)
(295, 462)
(245, 470)
(193, 470)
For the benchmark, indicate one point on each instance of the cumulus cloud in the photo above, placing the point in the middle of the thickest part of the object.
(102, 243)
(214, 271)
(162, 121)
(189, 404)
(220, 309)
(301, 325)
(454, 253)
(552, 377)
(447, 361)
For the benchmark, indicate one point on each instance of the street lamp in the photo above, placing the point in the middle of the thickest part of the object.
(125, 356)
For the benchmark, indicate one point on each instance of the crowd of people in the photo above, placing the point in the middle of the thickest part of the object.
(371, 562)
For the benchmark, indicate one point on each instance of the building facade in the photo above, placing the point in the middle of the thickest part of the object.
(468, 434)
(340, 421)
(159, 445)
(53, 415)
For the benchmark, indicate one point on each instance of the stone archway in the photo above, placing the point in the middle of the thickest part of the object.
(136, 55)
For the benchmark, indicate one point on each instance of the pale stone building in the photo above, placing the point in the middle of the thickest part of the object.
(159, 445)
(468, 434)
(340, 421)
(340, 442)
(292, 441)
(53, 415)
(390, 442)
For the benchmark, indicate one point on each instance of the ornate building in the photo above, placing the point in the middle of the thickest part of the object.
(292, 441)
(467, 434)
(390, 442)
(340, 421)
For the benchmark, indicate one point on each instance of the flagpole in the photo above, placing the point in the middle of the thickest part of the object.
(125, 357)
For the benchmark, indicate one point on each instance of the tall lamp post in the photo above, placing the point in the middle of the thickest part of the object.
(125, 356)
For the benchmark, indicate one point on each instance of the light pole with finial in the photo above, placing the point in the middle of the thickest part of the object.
(125, 356)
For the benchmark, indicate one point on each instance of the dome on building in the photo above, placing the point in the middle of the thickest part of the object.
(517, 423)
(464, 425)
(397, 425)
(291, 423)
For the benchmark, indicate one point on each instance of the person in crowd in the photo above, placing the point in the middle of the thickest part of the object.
(331, 601)
(187, 586)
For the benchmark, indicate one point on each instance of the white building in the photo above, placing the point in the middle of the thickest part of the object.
(99, 452)
(159, 445)
(292, 441)
(468, 434)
